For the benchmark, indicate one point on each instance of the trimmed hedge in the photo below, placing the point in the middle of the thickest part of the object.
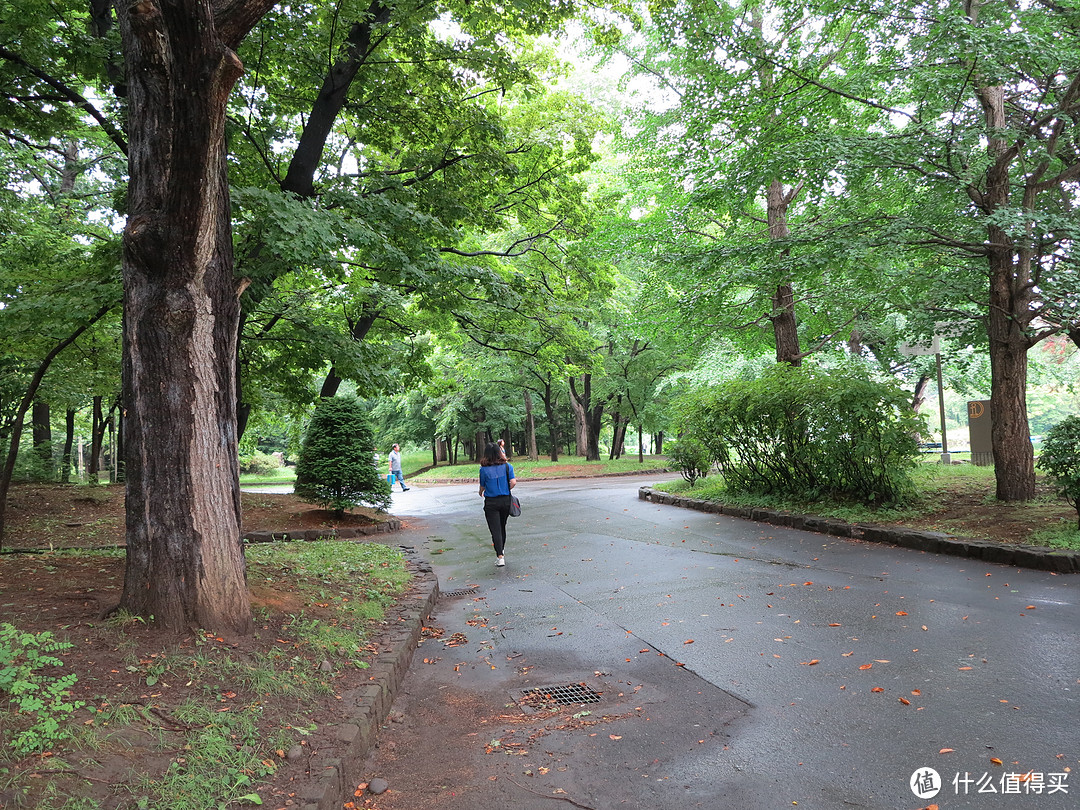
(807, 432)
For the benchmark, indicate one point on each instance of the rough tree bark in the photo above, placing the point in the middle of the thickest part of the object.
(185, 563)
(1012, 296)
(587, 417)
(785, 328)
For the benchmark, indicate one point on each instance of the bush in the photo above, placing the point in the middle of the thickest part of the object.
(807, 433)
(690, 457)
(257, 463)
(336, 466)
(1060, 458)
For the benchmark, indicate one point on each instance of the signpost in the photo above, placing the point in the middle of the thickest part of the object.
(914, 350)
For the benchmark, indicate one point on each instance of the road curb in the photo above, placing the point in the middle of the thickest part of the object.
(366, 708)
(1019, 556)
(337, 533)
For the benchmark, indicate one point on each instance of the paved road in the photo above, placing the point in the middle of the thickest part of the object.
(738, 665)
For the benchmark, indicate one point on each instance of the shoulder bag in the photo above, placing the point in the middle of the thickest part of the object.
(515, 504)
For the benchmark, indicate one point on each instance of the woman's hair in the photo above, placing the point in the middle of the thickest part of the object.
(492, 455)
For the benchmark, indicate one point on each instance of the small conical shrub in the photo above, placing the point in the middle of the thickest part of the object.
(336, 467)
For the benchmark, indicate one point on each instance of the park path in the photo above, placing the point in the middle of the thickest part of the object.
(737, 665)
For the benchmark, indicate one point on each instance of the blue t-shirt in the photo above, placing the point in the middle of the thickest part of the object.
(493, 479)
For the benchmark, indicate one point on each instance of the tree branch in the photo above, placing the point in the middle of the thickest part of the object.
(70, 95)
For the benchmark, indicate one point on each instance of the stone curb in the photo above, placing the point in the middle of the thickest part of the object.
(1019, 556)
(344, 533)
(366, 708)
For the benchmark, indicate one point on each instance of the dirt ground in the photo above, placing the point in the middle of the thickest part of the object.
(68, 595)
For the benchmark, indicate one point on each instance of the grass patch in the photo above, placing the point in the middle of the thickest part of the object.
(282, 475)
(958, 499)
(1064, 534)
(206, 722)
(566, 467)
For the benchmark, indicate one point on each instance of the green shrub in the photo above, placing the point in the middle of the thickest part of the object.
(807, 433)
(690, 457)
(35, 692)
(336, 466)
(1060, 458)
(258, 463)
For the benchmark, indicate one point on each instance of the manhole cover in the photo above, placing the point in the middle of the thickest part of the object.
(463, 592)
(571, 694)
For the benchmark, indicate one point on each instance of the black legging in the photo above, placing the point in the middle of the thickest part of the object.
(496, 511)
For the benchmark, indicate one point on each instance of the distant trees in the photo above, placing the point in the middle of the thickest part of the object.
(864, 162)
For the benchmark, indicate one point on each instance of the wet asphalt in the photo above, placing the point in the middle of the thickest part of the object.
(730, 664)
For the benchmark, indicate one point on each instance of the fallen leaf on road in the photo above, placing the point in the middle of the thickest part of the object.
(835, 624)
(905, 701)
(901, 613)
(810, 663)
(877, 689)
(946, 750)
(866, 666)
(996, 761)
(614, 736)
(689, 641)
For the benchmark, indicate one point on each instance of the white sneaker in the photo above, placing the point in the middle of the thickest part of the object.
(500, 561)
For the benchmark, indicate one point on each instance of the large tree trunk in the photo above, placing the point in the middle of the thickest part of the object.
(581, 437)
(1011, 310)
(785, 329)
(589, 415)
(185, 561)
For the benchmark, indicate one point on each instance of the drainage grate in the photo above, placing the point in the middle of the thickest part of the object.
(463, 592)
(570, 694)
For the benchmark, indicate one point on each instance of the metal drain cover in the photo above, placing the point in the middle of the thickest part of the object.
(571, 694)
(463, 592)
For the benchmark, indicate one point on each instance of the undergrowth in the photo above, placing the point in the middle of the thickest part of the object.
(202, 724)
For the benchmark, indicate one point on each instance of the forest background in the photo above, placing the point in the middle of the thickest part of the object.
(550, 222)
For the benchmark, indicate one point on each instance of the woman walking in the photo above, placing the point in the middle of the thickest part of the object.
(496, 481)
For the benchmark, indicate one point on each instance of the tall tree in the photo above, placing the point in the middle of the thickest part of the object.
(185, 563)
